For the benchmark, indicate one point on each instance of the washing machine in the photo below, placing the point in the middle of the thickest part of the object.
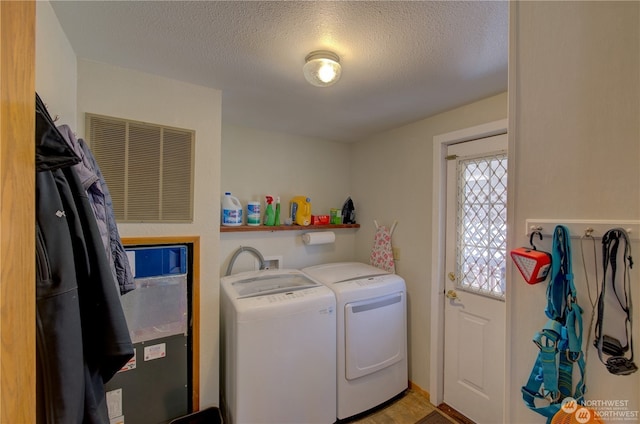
(371, 334)
(278, 362)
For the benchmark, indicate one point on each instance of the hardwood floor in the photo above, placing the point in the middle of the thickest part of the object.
(408, 409)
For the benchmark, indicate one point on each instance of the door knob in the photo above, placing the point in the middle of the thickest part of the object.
(452, 294)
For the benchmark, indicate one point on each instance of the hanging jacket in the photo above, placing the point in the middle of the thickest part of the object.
(93, 182)
(82, 338)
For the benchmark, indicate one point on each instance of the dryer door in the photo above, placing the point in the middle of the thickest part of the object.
(375, 334)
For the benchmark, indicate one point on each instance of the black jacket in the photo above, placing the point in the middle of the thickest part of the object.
(82, 338)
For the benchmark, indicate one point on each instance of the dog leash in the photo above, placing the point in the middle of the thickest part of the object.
(617, 363)
(593, 298)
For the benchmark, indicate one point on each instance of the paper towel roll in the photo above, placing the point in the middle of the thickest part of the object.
(320, 237)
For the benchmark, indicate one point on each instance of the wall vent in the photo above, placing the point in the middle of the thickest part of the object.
(148, 168)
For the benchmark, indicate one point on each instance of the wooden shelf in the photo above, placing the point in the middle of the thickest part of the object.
(249, 228)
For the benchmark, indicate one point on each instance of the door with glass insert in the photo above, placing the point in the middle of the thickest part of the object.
(475, 284)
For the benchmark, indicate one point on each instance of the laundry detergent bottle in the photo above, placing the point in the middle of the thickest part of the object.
(231, 211)
(300, 208)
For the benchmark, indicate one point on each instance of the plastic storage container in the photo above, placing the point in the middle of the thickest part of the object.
(231, 210)
(253, 213)
(336, 216)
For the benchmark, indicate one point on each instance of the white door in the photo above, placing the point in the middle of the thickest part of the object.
(475, 260)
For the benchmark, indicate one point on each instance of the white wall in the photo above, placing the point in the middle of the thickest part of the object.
(56, 66)
(71, 88)
(118, 92)
(575, 147)
(258, 163)
(392, 179)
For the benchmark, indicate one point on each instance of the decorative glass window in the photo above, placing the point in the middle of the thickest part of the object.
(482, 224)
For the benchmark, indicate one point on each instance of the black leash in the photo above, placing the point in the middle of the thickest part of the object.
(617, 363)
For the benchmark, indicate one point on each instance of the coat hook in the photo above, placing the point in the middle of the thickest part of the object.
(536, 228)
(533, 233)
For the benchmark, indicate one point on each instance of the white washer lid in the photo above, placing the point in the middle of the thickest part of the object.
(271, 284)
(343, 271)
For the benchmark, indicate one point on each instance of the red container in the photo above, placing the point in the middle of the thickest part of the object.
(319, 219)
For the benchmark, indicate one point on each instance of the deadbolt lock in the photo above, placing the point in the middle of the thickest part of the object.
(452, 276)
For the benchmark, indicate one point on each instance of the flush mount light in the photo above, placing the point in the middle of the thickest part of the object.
(322, 68)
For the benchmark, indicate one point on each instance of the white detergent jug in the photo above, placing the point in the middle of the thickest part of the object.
(231, 210)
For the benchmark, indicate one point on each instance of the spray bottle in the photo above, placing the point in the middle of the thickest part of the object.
(276, 221)
(269, 217)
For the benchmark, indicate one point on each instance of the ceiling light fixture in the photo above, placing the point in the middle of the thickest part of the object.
(322, 68)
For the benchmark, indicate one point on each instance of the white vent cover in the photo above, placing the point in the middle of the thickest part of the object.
(148, 168)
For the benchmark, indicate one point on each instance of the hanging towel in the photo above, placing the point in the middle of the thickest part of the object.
(382, 254)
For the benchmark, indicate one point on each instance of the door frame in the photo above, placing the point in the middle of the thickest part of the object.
(440, 144)
(17, 212)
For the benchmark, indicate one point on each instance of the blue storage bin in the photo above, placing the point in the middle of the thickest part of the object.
(151, 262)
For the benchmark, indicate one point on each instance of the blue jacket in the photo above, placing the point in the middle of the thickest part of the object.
(93, 182)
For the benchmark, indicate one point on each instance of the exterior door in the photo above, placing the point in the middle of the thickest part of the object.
(475, 260)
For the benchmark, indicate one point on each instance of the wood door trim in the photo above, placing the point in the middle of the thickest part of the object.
(17, 212)
(195, 300)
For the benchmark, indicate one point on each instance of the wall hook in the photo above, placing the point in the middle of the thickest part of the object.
(533, 233)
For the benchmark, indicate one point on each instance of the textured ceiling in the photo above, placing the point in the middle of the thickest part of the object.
(401, 61)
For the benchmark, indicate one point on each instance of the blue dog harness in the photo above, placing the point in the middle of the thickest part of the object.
(560, 341)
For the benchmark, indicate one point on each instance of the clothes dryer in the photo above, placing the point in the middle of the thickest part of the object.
(371, 334)
(278, 333)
